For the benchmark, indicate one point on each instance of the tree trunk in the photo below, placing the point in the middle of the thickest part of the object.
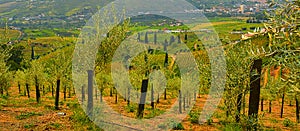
(90, 92)
(52, 90)
(297, 110)
(128, 97)
(282, 104)
(165, 94)
(290, 103)
(101, 100)
(141, 108)
(180, 102)
(255, 88)
(28, 92)
(96, 93)
(111, 92)
(262, 105)
(70, 94)
(184, 102)
(43, 90)
(270, 106)
(19, 88)
(157, 98)
(65, 93)
(82, 93)
(239, 106)
(116, 100)
(57, 94)
(125, 95)
(227, 109)
(37, 90)
(189, 100)
(152, 97)
(166, 60)
(1, 90)
(244, 103)
(25, 91)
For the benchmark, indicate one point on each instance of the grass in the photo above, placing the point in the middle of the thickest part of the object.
(56, 125)
(81, 120)
(27, 115)
(28, 126)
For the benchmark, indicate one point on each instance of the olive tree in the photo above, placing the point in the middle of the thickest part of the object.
(284, 33)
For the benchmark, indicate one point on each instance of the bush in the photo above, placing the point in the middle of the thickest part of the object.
(288, 123)
(27, 115)
(194, 116)
(130, 108)
(232, 127)
(251, 123)
(209, 121)
(178, 126)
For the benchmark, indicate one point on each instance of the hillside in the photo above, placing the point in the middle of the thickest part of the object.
(23, 8)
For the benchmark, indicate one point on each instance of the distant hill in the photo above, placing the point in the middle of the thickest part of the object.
(23, 8)
(26, 8)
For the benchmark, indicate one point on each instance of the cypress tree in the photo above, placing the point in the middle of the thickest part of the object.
(178, 39)
(146, 38)
(138, 37)
(155, 38)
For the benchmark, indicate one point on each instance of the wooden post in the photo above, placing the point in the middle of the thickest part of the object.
(19, 88)
(142, 98)
(37, 90)
(25, 91)
(116, 92)
(282, 104)
(262, 105)
(52, 90)
(101, 100)
(111, 92)
(152, 97)
(96, 94)
(297, 110)
(180, 110)
(82, 93)
(57, 94)
(90, 92)
(128, 96)
(157, 98)
(270, 106)
(255, 89)
(70, 94)
(43, 90)
(239, 106)
(27, 88)
(184, 101)
(125, 93)
(65, 92)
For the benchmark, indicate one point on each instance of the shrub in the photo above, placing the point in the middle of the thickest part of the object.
(209, 121)
(178, 126)
(194, 116)
(287, 122)
(27, 115)
(232, 127)
(130, 108)
(29, 126)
